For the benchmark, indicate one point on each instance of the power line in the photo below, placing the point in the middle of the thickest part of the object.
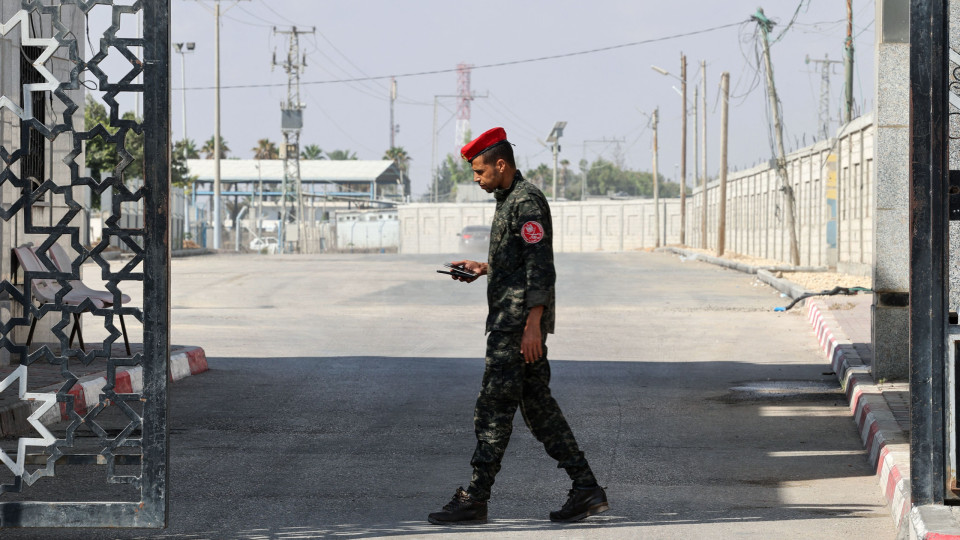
(491, 65)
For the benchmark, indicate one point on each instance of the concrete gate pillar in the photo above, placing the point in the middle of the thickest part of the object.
(891, 268)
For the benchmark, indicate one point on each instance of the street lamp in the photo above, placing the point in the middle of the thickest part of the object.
(682, 176)
(554, 140)
(189, 46)
(183, 49)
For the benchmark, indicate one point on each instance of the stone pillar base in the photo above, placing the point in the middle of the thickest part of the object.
(890, 331)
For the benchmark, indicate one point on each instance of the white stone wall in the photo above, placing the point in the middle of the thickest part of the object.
(756, 213)
(602, 225)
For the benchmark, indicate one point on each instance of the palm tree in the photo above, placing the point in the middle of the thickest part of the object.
(265, 149)
(188, 146)
(342, 155)
(402, 159)
(208, 148)
(399, 156)
(312, 151)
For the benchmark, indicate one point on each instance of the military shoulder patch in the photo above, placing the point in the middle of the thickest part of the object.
(532, 232)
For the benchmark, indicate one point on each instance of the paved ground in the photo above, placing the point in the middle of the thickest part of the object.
(341, 394)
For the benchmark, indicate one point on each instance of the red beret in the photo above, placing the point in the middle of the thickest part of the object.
(484, 142)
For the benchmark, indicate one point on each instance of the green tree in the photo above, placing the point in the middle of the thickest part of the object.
(312, 151)
(342, 155)
(265, 149)
(606, 178)
(189, 146)
(540, 175)
(452, 171)
(208, 149)
(401, 158)
(103, 156)
(179, 173)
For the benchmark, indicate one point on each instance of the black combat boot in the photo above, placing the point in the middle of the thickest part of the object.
(582, 502)
(461, 510)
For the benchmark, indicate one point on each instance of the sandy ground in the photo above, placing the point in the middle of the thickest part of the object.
(812, 281)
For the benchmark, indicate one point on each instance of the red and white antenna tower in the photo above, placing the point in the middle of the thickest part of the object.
(464, 97)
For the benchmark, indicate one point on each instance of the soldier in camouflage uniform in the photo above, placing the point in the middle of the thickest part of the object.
(520, 295)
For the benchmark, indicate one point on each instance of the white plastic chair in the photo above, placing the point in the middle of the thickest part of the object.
(45, 290)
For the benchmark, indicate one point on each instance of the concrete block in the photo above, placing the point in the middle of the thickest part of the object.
(893, 84)
(890, 332)
(891, 271)
(892, 162)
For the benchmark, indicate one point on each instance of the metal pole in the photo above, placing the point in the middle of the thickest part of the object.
(217, 226)
(260, 200)
(848, 65)
(722, 212)
(703, 153)
(183, 97)
(929, 241)
(664, 223)
(556, 151)
(393, 98)
(236, 228)
(583, 180)
(433, 159)
(683, 150)
(183, 100)
(696, 149)
(765, 25)
(656, 182)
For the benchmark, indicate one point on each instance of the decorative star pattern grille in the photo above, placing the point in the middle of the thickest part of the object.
(65, 187)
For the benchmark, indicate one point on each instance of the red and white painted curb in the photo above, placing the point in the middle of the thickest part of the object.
(85, 394)
(889, 451)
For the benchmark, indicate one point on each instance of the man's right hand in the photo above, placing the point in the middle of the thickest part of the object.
(477, 268)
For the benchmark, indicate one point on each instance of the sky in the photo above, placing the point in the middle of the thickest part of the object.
(605, 94)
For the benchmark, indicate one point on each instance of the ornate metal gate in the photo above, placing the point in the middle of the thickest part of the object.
(98, 461)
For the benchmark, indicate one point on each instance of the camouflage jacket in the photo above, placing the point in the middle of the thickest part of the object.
(521, 273)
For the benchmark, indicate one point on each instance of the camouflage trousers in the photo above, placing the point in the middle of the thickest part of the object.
(509, 383)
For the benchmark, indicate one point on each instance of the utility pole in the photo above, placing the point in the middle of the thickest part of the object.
(656, 182)
(696, 147)
(291, 122)
(722, 225)
(848, 66)
(824, 116)
(554, 140)
(433, 158)
(683, 150)
(703, 155)
(765, 25)
(190, 46)
(393, 98)
(217, 221)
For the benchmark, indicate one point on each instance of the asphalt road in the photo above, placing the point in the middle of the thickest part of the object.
(341, 391)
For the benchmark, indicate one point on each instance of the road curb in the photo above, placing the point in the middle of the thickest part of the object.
(85, 394)
(887, 447)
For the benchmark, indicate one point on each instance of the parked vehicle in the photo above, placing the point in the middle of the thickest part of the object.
(475, 238)
(264, 245)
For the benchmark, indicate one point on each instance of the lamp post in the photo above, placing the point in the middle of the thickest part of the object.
(183, 49)
(683, 142)
(554, 140)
